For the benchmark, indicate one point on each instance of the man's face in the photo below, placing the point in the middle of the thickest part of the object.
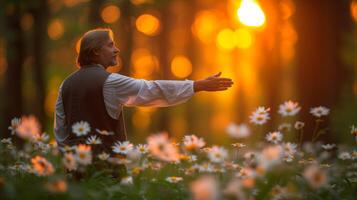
(107, 55)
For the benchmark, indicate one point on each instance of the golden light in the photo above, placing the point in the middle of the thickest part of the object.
(50, 102)
(141, 120)
(250, 14)
(226, 39)
(143, 63)
(55, 29)
(110, 14)
(181, 66)
(138, 2)
(148, 24)
(204, 26)
(243, 38)
(354, 10)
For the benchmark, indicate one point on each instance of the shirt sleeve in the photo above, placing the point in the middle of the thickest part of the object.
(59, 119)
(119, 89)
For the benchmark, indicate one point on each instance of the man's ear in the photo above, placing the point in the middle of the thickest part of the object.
(96, 52)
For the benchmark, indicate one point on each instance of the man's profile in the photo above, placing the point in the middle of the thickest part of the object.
(90, 100)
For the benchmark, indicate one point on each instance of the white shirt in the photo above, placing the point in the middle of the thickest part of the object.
(119, 91)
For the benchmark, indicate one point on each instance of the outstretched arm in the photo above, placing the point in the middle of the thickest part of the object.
(212, 84)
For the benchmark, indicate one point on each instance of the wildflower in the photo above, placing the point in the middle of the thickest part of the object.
(354, 130)
(59, 186)
(15, 122)
(41, 166)
(284, 127)
(319, 111)
(103, 156)
(344, 156)
(315, 176)
(238, 145)
(260, 115)
(28, 128)
(142, 148)
(274, 137)
(81, 128)
(271, 155)
(128, 180)
(205, 167)
(6, 141)
(122, 147)
(245, 173)
(160, 147)
(83, 154)
(204, 188)
(67, 148)
(289, 108)
(174, 179)
(93, 140)
(41, 137)
(217, 154)
(299, 125)
(192, 142)
(104, 132)
(328, 146)
(290, 148)
(238, 131)
(69, 161)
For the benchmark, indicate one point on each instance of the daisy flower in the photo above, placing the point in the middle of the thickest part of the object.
(93, 140)
(238, 145)
(274, 137)
(122, 147)
(128, 180)
(299, 125)
(15, 122)
(217, 154)
(284, 127)
(41, 137)
(315, 176)
(260, 115)
(83, 154)
(81, 128)
(69, 161)
(319, 111)
(290, 148)
(344, 156)
(103, 156)
(205, 187)
(193, 143)
(289, 108)
(174, 179)
(142, 148)
(238, 131)
(41, 166)
(161, 147)
(328, 146)
(104, 132)
(28, 128)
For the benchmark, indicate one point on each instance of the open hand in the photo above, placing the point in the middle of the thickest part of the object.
(213, 83)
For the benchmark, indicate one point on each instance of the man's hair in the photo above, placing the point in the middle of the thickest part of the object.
(90, 42)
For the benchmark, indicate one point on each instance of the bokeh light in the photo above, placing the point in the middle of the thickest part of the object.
(181, 66)
(140, 119)
(55, 29)
(250, 14)
(204, 26)
(143, 63)
(110, 14)
(148, 24)
(243, 38)
(225, 39)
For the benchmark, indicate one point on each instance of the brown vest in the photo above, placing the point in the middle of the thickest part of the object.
(82, 95)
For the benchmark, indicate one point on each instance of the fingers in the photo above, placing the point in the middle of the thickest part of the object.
(218, 74)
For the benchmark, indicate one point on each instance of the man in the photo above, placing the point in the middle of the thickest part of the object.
(90, 100)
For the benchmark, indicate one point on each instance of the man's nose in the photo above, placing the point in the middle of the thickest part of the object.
(116, 50)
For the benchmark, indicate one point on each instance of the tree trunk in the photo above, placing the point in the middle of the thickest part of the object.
(40, 14)
(320, 26)
(15, 53)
